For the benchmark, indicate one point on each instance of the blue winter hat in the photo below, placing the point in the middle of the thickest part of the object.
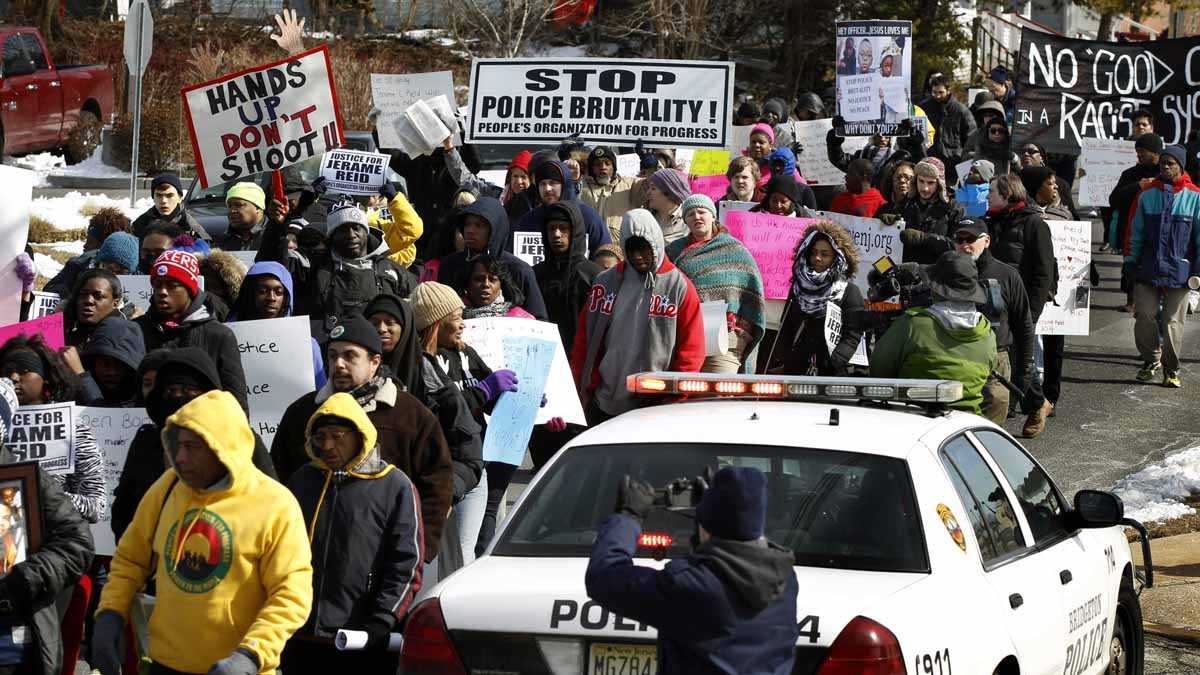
(999, 75)
(698, 201)
(735, 505)
(120, 248)
(1175, 151)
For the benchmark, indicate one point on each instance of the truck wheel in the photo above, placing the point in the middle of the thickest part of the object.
(84, 138)
(1127, 647)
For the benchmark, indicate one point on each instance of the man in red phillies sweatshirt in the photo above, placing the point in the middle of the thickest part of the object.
(859, 199)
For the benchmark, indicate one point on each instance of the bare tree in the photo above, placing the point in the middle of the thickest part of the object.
(499, 27)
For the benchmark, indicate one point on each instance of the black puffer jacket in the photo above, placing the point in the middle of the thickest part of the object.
(1021, 238)
(933, 218)
(118, 339)
(179, 217)
(954, 123)
(565, 279)
(463, 432)
(1010, 318)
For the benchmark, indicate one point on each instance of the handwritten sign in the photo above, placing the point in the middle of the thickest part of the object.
(1068, 313)
(771, 240)
(528, 247)
(277, 358)
(1102, 162)
(713, 186)
(44, 434)
(486, 336)
(873, 239)
(136, 289)
(511, 422)
(739, 138)
(354, 172)
(393, 94)
(114, 429)
(49, 327)
(629, 165)
(44, 304)
(814, 162)
(710, 162)
(858, 97)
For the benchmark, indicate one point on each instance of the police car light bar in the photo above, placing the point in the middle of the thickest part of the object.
(787, 387)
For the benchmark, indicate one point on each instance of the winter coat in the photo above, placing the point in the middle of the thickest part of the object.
(243, 307)
(1021, 238)
(410, 439)
(454, 267)
(565, 279)
(232, 562)
(1009, 315)
(235, 240)
(911, 148)
(445, 398)
(179, 217)
(973, 198)
(430, 183)
(611, 201)
(634, 322)
(200, 329)
(597, 232)
(119, 339)
(954, 123)
(933, 218)
(727, 607)
(1165, 234)
(145, 461)
(364, 526)
(1123, 199)
(862, 205)
(401, 229)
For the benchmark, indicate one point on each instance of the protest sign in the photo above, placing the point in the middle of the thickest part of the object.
(814, 162)
(739, 139)
(246, 257)
(136, 289)
(716, 327)
(663, 103)
(1070, 89)
(713, 186)
(486, 336)
(49, 327)
(528, 247)
(683, 160)
(277, 359)
(629, 165)
(710, 162)
(353, 172)
(873, 239)
(44, 434)
(1102, 162)
(1068, 313)
(263, 118)
(512, 419)
(394, 93)
(44, 304)
(114, 429)
(495, 177)
(874, 65)
(726, 205)
(14, 230)
(771, 240)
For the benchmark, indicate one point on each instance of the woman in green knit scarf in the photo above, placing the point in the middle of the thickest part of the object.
(721, 268)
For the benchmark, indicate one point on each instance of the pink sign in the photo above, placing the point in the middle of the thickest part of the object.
(771, 240)
(49, 327)
(713, 186)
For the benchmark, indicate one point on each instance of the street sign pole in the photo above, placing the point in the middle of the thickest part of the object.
(139, 32)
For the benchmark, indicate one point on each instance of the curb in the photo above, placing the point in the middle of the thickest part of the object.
(1178, 633)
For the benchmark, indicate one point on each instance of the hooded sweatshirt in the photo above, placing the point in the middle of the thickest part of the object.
(118, 339)
(454, 266)
(565, 279)
(597, 232)
(232, 561)
(635, 322)
(364, 525)
(243, 307)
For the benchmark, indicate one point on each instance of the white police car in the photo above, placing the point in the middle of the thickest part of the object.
(926, 541)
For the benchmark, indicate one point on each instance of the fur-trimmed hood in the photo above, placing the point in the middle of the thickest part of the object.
(840, 238)
(227, 266)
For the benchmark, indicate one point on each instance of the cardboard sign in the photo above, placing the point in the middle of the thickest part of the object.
(394, 93)
(511, 422)
(354, 172)
(710, 163)
(771, 240)
(663, 103)
(114, 429)
(1069, 312)
(1102, 162)
(44, 434)
(264, 118)
(814, 162)
(874, 66)
(14, 230)
(277, 359)
(44, 304)
(487, 337)
(136, 288)
(528, 247)
(49, 327)
(873, 239)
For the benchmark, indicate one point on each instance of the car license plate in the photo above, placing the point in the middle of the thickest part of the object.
(610, 659)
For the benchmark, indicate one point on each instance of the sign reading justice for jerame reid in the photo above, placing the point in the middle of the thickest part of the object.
(680, 104)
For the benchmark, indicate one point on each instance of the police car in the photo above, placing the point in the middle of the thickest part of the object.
(925, 541)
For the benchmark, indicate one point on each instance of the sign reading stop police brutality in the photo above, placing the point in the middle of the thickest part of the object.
(678, 104)
(1074, 89)
(263, 118)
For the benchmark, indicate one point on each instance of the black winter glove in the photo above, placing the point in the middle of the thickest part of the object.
(378, 634)
(911, 237)
(888, 218)
(634, 498)
(833, 140)
(839, 122)
(906, 126)
(239, 662)
(797, 148)
(108, 643)
(318, 186)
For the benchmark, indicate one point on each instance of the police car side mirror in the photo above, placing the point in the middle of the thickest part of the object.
(1095, 508)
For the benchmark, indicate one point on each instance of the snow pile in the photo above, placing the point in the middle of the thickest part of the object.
(47, 163)
(92, 167)
(46, 266)
(41, 164)
(1157, 492)
(68, 212)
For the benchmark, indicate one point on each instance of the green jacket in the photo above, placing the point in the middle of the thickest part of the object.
(918, 345)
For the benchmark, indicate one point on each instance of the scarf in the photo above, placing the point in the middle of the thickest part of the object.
(498, 307)
(811, 290)
(366, 392)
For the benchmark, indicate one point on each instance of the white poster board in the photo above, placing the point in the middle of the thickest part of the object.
(629, 165)
(814, 162)
(1102, 161)
(114, 429)
(487, 337)
(528, 247)
(873, 239)
(14, 230)
(1069, 312)
(265, 118)
(873, 63)
(44, 434)
(394, 93)
(354, 172)
(277, 359)
(44, 304)
(716, 327)
(136, 289)
(726, 206)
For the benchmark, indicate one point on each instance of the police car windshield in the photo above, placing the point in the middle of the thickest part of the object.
(832, 509)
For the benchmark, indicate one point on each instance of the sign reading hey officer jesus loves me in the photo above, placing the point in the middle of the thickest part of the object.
(263, 118)
(676, 104)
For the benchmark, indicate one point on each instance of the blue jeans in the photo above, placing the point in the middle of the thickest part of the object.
(469, 516)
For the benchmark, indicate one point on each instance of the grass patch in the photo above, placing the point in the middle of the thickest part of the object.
(1172, 527)
(41, 231)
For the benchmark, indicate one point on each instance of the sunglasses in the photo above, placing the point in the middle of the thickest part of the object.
(1030, 151)
(966, 238)
(996, 130)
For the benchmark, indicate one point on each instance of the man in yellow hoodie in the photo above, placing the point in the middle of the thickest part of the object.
(398, 220)
(228, 549)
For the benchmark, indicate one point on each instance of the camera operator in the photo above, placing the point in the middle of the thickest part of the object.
(949, 340)
(732, 601)
(1007, 308)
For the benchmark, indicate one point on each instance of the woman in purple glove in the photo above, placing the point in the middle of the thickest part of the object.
(27, 273)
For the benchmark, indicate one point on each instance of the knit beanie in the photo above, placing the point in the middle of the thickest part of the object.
(735, 505)
(601, 152)
(764, 128)
(197, 247)
(357, 330)
(698, 201)
(521, 161)
(433, 302)
(748, 109)
(1032, 177)
(8, 406)
(985, 168)
(785, 185)
(999, 75)
(344, 213)
(1175, 151)
(387, 303)
(120, 248)
(180, 266)
(775, 105)
(550, 171)
(1151, 142)
(167, 179)
(672, 183)
(249, 192)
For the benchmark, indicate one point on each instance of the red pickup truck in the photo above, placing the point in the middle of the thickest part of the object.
(44, 106)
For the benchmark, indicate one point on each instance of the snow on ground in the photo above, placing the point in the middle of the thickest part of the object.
(1157, 492)
(71, 247)
(67, 212)
(46, 266)
(46, 163)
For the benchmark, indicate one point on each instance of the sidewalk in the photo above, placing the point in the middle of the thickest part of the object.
(1172, 607)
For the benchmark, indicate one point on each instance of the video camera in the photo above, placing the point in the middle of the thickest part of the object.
(892, 289)
(683, 493)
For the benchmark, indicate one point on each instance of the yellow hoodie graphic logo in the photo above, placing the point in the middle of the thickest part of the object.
(207, 550)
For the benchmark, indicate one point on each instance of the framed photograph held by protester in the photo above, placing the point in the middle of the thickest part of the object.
(20, 514)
